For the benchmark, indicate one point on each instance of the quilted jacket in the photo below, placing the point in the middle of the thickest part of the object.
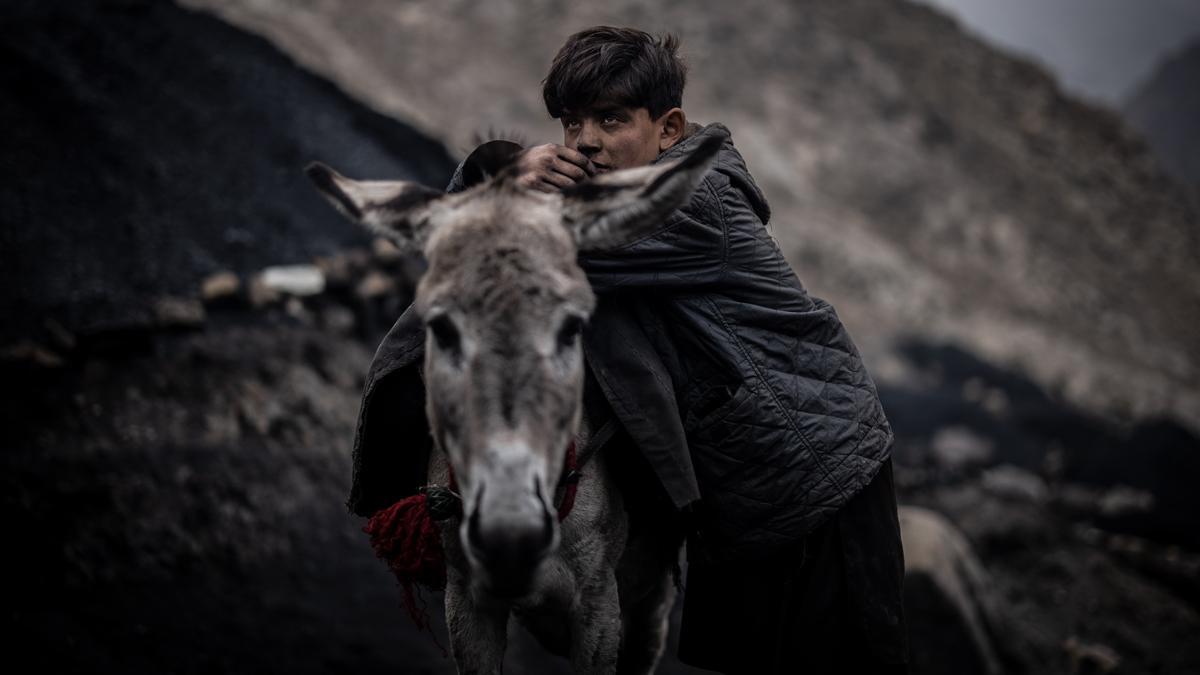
(744, 392)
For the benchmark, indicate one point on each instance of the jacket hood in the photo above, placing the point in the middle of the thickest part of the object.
(729, 163)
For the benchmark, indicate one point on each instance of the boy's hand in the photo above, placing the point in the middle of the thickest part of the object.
(552, 167)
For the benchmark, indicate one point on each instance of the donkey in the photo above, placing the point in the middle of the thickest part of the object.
(504, 302)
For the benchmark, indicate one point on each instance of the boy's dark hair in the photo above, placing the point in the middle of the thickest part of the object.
(624, 65)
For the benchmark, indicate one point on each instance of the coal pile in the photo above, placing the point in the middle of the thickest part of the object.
(178, 409)
(146, 147)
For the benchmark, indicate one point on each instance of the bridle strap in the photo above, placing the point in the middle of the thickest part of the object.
(568, 483)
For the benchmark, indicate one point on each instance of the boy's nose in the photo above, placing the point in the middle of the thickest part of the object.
(589, 141)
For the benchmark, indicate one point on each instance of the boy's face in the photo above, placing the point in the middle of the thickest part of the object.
(613, 136)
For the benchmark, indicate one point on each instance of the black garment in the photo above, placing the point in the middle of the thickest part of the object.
(745, 394)
(829, 604)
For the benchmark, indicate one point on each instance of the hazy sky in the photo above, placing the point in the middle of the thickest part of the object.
(1098, 48)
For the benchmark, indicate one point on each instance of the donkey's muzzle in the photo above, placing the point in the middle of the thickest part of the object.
(509, 551)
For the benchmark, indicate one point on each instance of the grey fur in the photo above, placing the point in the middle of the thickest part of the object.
(502, 300)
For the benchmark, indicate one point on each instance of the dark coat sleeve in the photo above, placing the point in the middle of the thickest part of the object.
(638, 388)
(392, 442)
(688, 253)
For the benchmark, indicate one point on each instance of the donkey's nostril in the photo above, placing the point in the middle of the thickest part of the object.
(505, 540)
(547, 517)
(547, 529)
(512, 543)
(508, 538)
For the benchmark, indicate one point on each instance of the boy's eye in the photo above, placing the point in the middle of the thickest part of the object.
(570, 124)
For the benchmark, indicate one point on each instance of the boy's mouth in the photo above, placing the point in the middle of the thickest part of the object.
(601, 168)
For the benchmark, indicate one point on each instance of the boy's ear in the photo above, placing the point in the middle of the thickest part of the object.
(623, 206)
(397, 210)
(673, 123)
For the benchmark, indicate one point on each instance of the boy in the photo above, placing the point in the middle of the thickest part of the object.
(743, 394)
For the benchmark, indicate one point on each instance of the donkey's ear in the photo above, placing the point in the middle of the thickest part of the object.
(623, 206)
(397, 210)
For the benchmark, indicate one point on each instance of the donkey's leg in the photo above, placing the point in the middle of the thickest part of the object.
(478, 630)
(596, 626)
(647, 577)
(646, 623)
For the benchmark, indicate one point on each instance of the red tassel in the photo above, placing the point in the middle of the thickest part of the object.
(407, 538)
(571, 480)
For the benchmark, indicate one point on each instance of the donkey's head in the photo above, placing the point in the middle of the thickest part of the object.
(504, 302)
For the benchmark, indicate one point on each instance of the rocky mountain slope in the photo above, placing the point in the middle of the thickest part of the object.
(921, 181)
(136, 162)
(1166, 109)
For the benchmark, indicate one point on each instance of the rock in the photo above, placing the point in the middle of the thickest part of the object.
(59, 335)
(260, 294)
(951, 613)
(295, 308)
(1089, 658)
(219, 286)
(337, 269)
(996, 524)
(1125, 544)
(1114, 502)
(358, 259)
(992, 399)
(31, 352)
(374, 285)
(1077, 498)
(338, 319)
(385, 251)
(175, 312)
(1055, 462)
(1014, 482)
(958, 448)
(1124, 500)
(258, 410)
(298, 280)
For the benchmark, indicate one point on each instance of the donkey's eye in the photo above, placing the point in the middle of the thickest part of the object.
(568, 334)
(445, 334)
